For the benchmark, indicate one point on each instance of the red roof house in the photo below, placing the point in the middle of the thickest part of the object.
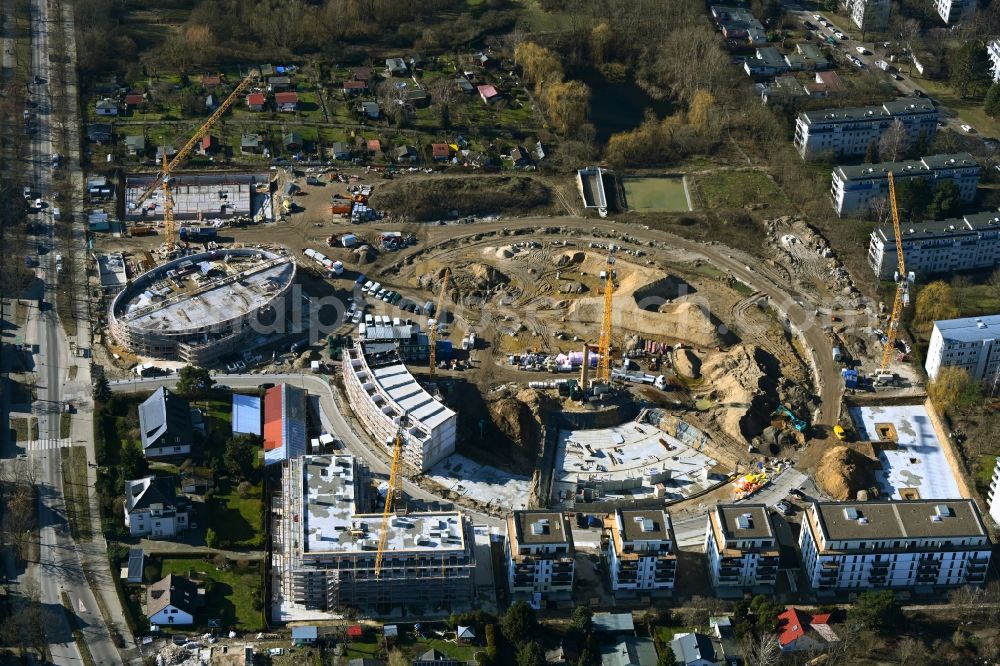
(800, 631)
(374, 146)
(355, 632)
(208, 144)
(440, 151)
(211, 80)
(355, 87)
(488, 93)
(287, 101)
(255, 101)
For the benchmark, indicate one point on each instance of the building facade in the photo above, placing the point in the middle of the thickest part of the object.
(970, 343)
(327, 538)
(914, 544)
(868, 15)
(741, 547)
(539, 555)
(993, 50)
(993, 496)
(850, 131)
(953, 11)
(853, 188)
(153, 509)
(384, 395)
(285, 433)
(946, 246)
(642, 554)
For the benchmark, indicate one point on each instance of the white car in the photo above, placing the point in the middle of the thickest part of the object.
(818, 17)
(862, 50)
(968, 129)
(839, 35)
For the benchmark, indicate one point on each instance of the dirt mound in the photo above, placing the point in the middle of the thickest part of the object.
(364, 255)
(842, 472)
(572, 287)
(498, 252)
(568, 258)
(680, 321)
(687, 363)
(736, 378)
(654, 295)
(519, 417)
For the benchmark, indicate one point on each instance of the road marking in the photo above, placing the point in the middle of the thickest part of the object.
(79, 602)
(47, 444)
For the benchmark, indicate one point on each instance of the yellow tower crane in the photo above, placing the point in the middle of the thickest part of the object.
(604, 342)
(433, 322)
(390, 497)
(902, 298)
(163, 180)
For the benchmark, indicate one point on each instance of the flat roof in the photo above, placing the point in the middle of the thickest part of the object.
(406, 392)
(246, 414)
(955, 226)
(918, 461)
(911, 519)
(969, 329)
(112, 270)
(211, 195)
(644, 524)
(902, 105)
(744, 521)
(331, 523)
(907, 167)
(541, 527)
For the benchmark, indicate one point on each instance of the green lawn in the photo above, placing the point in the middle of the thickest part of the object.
(984, 475)
(236, 521)
(736, 189)
(231, 598)
(969, 110)
(655, 194)
(413, 648)
(667, 632)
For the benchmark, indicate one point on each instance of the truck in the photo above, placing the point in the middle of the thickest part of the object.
(58, 262)
(838, 356)
(637, 377)
(198, 233)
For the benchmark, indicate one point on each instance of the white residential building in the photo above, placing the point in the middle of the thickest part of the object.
(382, 392)
(896, 544)
(849, 131)
(945, 246)
(741, 547)
(971, 343)
(993, 49)
(868, 15)
(993, 497)
(854, 187)
(152, 508)
(642, 554)
(172, 601)
(540, 555)
(952, 11)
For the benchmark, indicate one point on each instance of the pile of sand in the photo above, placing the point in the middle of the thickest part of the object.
(572, 287)
(842, 472)
(568, 258)
(680, 321)
(735, 378)
(687, 363)
(504, 252)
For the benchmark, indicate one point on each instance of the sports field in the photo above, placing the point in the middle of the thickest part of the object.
(656, 195)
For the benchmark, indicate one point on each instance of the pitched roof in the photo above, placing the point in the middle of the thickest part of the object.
(793, 624)
(487, 91)
(286, 98)
(692, 647)
(164, 420)
(134, 98)
(355, 85)
(171, 591)
(141, 493)
(374, 145)
(255, 99)
(211, 80)
(440, 150)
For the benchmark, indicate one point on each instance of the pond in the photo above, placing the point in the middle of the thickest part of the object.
(619, 106)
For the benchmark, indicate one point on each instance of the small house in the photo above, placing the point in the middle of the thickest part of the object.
(278, 83)
(134, 99)
(287, 101)
(465, 85)
(304, 635)
(208, 145)
(250, 144)
(211, 103)
(370, 110)
(355, 632)
(418, 97)
(406, 154)
(172, 601)
(211, 80)
(135, 144)
(152, 508)
(363, 74)
(106, 107)
(799, 631)
(465, 635)
(292, 141)
(416, 62)
(168, 151)
(520, 156)
(390, 633)
(354, 87)
(539, 150)
(488, 93)
(395, 67)
(165, 425)
(340, 151)
(436, 658)
(374, 147)
(440, 152)
(485, 61)
(99, 133)
(255, 101)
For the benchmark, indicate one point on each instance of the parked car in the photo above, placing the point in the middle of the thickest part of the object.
(862, 50)
(968, 129)
(784, 508)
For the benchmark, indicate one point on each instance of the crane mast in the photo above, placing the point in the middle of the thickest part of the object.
(604, 342)
(433, 323)
(902, 297)
(390, 496)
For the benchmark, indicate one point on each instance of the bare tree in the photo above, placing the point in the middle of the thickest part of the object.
(762, 651)
(894, 142)
(881, 210)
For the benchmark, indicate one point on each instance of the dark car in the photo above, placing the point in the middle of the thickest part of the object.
(920, 93)
(265, 386)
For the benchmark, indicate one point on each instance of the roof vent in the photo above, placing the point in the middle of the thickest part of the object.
(851, 513)
(744, 522)
(943, 510)
(935, 519)
(862, 521)
(647, 525)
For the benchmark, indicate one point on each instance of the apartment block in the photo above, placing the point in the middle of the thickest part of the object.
(970, 343)
(853, 188)
(540, 554)
(642, 552)
(849, 131)
(993, 496)
(945, 246)
(383, 395)
(741, 547)
(869, 15)
(913, 544)
(326, 537)
(953, 11)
